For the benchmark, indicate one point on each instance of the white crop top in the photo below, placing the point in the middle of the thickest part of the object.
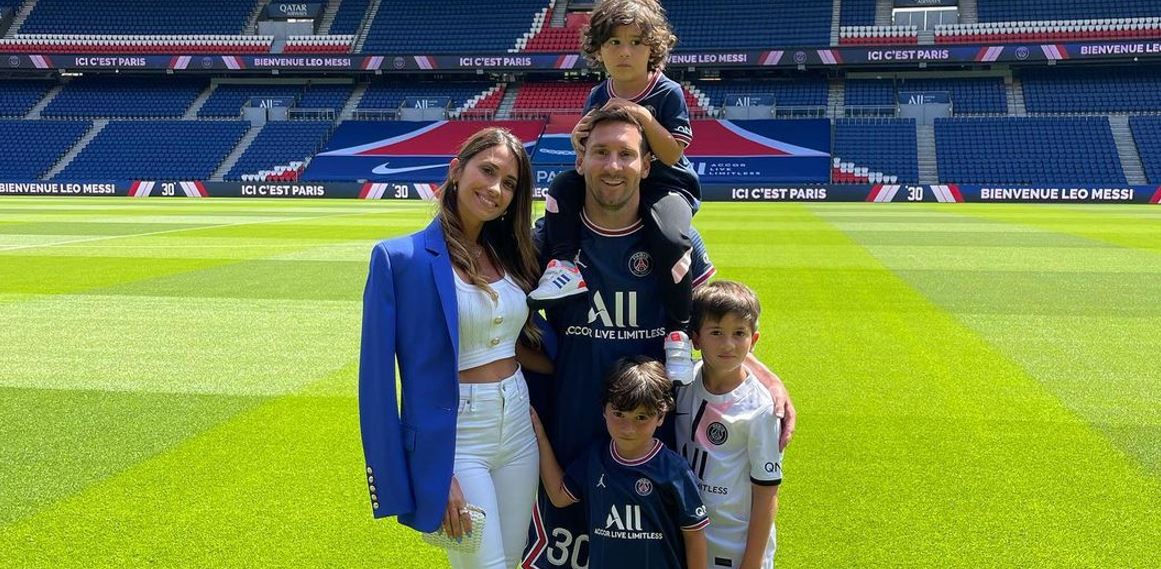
(489, 330)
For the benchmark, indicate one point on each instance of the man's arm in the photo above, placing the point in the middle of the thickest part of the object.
(783, 407)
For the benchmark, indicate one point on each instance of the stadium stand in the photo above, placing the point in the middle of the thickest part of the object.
(1049, 31)
(454, 26)
(388, 95)
(202, 17)
(319, 44)
(878, 35)
(349, 16)
(857, 12)
(796, 92)
(744, 24)
(559, 40)
(156, 150)
(228, 99)
(541, 100)
(976, 95)
(1147, 135)
(28, 149)
(1027, 150)
(107, 96)
(1092, 90)
(280, 143)
(18, 97)
(886, 146)
(1007, 10)
(330, 96)
(137, 45)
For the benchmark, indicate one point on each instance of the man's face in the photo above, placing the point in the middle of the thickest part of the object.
(613, 166)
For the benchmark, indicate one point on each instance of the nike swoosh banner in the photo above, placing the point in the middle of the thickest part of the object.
(402, 151)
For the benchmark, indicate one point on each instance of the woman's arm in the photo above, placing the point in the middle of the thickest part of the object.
(533, 359)
(550, 472)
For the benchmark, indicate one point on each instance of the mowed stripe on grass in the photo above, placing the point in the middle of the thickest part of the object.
(921, 442)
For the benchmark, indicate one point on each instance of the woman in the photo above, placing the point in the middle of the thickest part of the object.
(448, 303)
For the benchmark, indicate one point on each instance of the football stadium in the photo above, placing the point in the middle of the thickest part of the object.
(949, 209)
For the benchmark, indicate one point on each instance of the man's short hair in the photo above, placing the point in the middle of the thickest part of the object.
(714, 300)
(599, 116)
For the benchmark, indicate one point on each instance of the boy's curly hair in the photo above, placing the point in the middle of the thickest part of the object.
(648, 15)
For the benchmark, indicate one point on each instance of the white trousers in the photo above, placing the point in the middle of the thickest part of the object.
(498, 466)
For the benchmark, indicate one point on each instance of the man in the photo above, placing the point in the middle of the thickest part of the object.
(621, 315)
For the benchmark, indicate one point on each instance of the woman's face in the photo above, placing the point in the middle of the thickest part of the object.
(485, 184)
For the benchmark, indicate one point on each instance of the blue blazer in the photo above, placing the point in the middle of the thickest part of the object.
(410, 316)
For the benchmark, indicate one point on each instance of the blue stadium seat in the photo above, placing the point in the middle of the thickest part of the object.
(857, 13)
(1095, 90)
(794, 92)
(125, 97)
(744, 24)
(452, 26)
(279, 143)
(974, 95)
(1147, 135)
(140, 17)
(349, 16)
(29, 148)
(326, 96)
(228, 99)
(156, 150)
(1024, 10)
(389, 95)
(883, 145)
(1027, 150)
(18, 97)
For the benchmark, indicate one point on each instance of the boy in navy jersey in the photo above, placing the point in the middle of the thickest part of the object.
(631, 40)
(727, 429)
(638, 495)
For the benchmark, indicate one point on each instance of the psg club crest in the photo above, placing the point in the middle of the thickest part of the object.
(644, 487)
(640, 264)
(717, 433)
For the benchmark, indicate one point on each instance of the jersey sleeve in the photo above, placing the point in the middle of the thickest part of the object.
(594, 99)
(762, 448)
(673, 114)
(691, 512)
(701, 268)
(576, 478)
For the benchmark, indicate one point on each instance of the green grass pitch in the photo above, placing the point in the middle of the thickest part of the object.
(978, 385)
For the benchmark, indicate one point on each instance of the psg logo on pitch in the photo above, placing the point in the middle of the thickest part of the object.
(644, 487)
(640, 264)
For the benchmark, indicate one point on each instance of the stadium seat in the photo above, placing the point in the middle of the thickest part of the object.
(156, 150)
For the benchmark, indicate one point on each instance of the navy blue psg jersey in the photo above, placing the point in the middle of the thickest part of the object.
(621, 315)
(665, 100)
(638, 508)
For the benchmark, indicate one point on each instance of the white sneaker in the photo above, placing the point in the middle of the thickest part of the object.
(679, 358)
(561, 279)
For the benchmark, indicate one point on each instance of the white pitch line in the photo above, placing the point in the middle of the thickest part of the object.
(164, 231)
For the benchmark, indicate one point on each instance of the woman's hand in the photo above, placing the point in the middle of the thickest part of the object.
(456, 521)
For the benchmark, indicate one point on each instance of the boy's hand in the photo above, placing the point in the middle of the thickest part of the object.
(580, 133)
(640, 113)
(537, 427)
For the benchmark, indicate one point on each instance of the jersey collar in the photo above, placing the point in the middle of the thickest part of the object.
(606, 232)
(638, 461)
(653, 78)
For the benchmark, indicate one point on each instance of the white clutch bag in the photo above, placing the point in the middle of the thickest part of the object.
(470, 542)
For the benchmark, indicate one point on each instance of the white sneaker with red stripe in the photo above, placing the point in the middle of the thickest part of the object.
(561, 280)
(679, 358)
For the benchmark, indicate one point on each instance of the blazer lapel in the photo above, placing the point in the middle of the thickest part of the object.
(445, 287)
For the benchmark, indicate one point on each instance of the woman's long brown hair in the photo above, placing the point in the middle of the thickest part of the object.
(507, 240)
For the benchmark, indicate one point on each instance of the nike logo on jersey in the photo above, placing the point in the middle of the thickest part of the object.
(384, 170)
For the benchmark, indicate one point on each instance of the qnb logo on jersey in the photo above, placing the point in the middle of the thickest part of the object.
(623, 315)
